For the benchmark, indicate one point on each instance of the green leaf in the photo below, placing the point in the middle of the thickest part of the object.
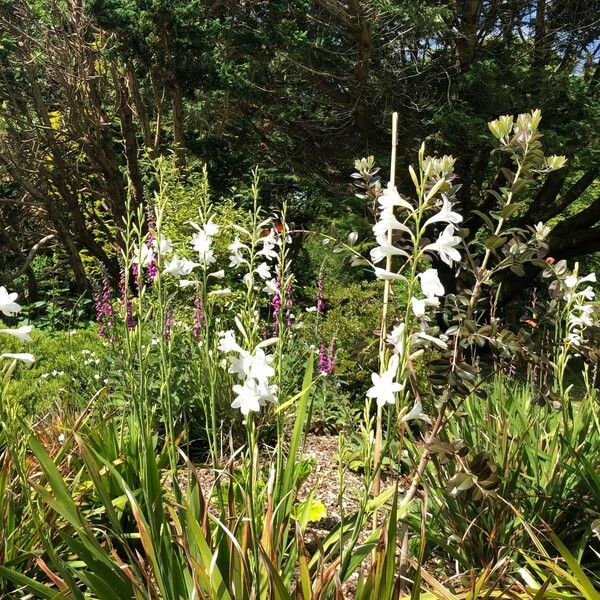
(580, 579)
(62, 501)
(518, 270)
(299, 428)
(40, 590)
(309, 511)
(509, 210)
(494, 241)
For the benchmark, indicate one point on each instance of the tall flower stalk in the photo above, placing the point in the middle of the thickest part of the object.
(384, 314)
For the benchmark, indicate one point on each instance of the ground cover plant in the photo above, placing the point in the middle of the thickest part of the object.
(173, 460)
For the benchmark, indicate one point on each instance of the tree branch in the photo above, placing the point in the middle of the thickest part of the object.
(31, 255)
(583, 183)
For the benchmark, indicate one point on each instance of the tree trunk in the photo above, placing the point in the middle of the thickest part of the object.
(178, 126)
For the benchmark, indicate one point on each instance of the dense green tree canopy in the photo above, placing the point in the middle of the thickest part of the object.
(92, 90)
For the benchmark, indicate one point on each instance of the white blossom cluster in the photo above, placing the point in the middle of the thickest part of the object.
(254, 369)
(581, 314)
(267, 255)
(385, 384)
(202, 243)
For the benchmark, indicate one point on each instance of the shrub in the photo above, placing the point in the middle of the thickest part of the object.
(71, 366)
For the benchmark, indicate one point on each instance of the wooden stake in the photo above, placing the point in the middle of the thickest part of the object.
(383, 329)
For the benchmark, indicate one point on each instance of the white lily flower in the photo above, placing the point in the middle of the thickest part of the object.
(8, 306)
(236, 259)
(384, 388)
(162, 245)
(210, 229)
(236, 245)
(419, 306)
(387, 275)
(430, 283)
(179, 267)
(352, 237)
(252, 395)
(247, 397)
(217, 274)
(445, 246)
(384, 250)
(183, 283)
(26, 357)
(541, 231)
(267, 393)
(584, 319)
(268, 250)
(171, 267)
(220, 292)
(416, 413)
(257, 365)
(445, 215)
(588, 293)
(240, 365)
(143, 255)
(22, 333)
(391, 198)
(263, 271)
(227, 343)
(271, 287)
(396, 338)
(388, 222)
(270, 238)
(201, 243)
(572, 281)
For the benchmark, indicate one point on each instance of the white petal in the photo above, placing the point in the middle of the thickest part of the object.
(387, 275)
(26, 357)
(22, 333)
